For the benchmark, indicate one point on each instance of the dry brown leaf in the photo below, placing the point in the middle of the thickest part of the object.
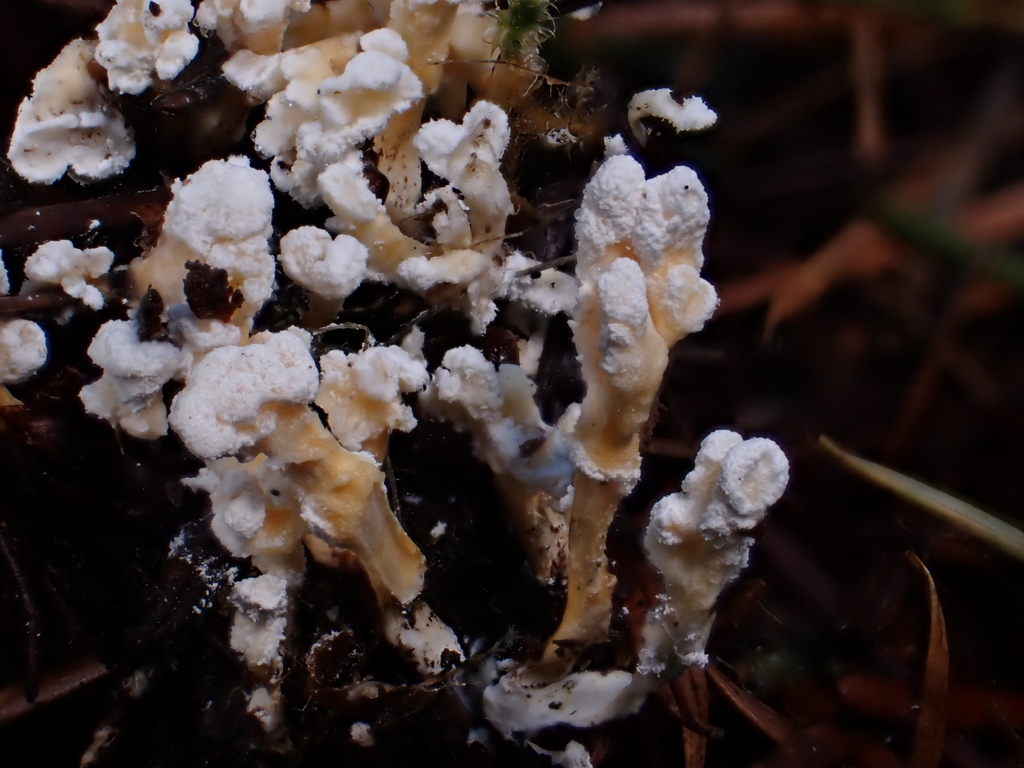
(861, 251)
(971, 707)
(877, 756)
(876, 696)
(748, 292)
(995, 218)
(775, 726)
(940, 181)
(930, 731)
(692, 688)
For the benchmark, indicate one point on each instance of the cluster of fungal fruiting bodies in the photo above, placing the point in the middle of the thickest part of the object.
(338, 80)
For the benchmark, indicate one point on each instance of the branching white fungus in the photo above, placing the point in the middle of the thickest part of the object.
(518, 703)
(259, 627)
(219, 216)
(58, 262)
(345, 84)
(528, 457)
(140, 38)
(361, 393)
(134, 373)
(547, 291)
(227, 403)
(333, 101)
(258, 25)
(69, 122)
(699, 540)
(332, 268)
(635, 239)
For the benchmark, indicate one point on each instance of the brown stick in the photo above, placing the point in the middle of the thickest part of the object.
(63, 220)
(867, 72)
(53, 685)
(776, 727)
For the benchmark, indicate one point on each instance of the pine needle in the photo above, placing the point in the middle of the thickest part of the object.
(930, 730)
(984, 525)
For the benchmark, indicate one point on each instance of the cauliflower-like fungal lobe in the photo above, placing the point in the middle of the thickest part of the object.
(142, 37)
(322, 115)
(134, 373)
(547, 291)
(221, 217)
(469, 156)
(376, 84)
(330, 268)
(258, 25)
(362, 395)
(224, 201)
(69, 123)
(22, 350)
(59, 263)
(221, 409)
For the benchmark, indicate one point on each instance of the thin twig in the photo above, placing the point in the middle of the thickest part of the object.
(44, 301)
(867, 71)
(546, 265)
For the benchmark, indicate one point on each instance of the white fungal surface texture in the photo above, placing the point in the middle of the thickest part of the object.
(384, 274)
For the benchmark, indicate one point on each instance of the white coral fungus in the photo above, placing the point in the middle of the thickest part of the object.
(699, 538)
(361, 393)
(221, 409)
(690, 115)
(330, 268)
(69, 122)
(134, 372)
(22, 350)
(58, 262)
(142, 37)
